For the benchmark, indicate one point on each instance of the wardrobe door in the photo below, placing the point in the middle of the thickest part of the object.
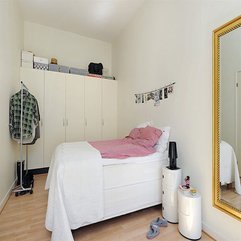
(92, 108)
(54, 113)
(109, 109)
(34, 81)
(74, 108)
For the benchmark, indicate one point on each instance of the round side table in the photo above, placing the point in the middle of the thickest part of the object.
(189, 214)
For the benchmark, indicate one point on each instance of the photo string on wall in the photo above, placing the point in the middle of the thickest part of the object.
(156, 95)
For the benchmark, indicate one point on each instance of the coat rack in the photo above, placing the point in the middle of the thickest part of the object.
(20, 188)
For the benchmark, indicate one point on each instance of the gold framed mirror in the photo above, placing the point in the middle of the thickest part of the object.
(227, 118)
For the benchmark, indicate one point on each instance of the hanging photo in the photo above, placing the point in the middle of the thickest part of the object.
(165, 93)
(142, 98)
(149, 96)
(145, 97)
(170, 89)
(139, 99)
(160, 94)
(156, 95)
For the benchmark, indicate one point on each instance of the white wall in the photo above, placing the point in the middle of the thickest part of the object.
(11, 42)
(172, 41)
(70, 49)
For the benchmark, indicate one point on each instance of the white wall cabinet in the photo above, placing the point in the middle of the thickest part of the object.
(109, 109)
(74, 114)
(93, 104)
(54, 108)
(72, 108)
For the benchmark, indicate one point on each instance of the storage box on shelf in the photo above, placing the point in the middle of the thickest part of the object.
(63, 69)
(66, 69)
(84, 72)
(189, 214)
(40, 60)
(40, 63)
(171, 179)
(78, 71)
(27, 59)
(27, 56)
(53, 67)
(40, 66)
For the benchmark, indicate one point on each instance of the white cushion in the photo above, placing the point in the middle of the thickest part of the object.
(162, 143)
(145, 124)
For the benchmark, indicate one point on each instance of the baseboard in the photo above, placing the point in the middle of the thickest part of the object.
(39, 170)
(6, 197)
(212, 233)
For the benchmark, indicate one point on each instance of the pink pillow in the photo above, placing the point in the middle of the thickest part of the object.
(135, 133)
(150, 133)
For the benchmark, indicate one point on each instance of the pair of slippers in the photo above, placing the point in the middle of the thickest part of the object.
(155, 227)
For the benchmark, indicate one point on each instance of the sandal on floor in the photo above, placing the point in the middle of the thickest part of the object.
(160, 222)
(153, 232)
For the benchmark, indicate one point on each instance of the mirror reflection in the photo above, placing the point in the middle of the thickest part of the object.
(230, 117)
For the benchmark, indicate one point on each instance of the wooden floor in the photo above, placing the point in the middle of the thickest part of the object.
(23, 218)
(230, 196)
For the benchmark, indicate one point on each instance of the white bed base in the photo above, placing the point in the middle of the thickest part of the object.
(129, 187)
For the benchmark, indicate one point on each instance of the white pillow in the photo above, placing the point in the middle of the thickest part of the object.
(145, 124)
(162, 143)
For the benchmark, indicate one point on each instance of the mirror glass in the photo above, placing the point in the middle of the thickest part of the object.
(230, 117)
(227, 117)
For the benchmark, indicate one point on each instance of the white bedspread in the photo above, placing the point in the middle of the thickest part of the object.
(75, 190)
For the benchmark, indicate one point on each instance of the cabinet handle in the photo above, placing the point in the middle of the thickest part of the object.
(162, 176)
(162, 192)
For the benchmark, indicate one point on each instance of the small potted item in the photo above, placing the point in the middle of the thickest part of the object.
(54, 61)
(53, 66)
(187, 182)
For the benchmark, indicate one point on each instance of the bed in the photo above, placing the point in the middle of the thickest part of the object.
(85, 188)
(229, 171)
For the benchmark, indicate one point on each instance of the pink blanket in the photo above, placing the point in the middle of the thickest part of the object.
(123, 148)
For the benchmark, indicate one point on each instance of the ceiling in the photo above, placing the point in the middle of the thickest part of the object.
(99, 19)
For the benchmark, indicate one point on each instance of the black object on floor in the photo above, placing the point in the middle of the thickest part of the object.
(27, 179)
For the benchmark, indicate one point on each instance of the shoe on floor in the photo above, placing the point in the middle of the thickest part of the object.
(160, 222)
(153, 232)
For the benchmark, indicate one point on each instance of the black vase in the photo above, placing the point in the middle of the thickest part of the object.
(172, 154)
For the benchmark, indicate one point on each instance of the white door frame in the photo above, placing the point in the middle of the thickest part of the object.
(236, 108)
